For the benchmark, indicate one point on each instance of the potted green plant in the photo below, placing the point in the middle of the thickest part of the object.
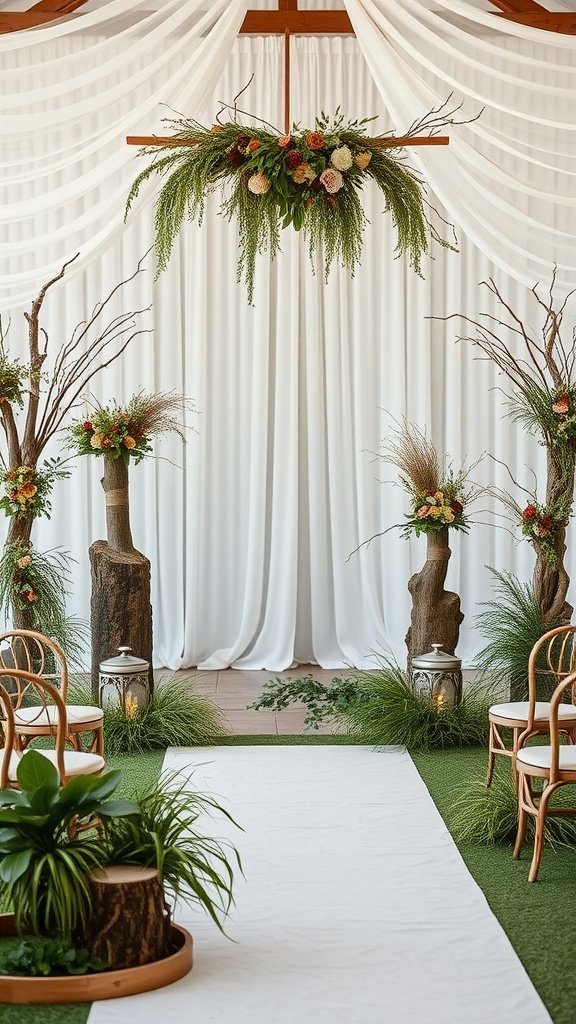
(67, 880)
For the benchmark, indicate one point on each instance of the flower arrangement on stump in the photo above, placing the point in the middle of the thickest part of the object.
(439, 502)
(309, 179)
(120, 608)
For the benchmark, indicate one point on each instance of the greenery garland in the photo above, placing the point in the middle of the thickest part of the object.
(310, 179)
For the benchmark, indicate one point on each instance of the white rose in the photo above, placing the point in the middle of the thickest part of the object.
(341, 158)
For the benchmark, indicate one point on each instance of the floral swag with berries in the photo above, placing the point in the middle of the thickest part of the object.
(309, 179)
(27, 490)
(563, 427)
(540, 524)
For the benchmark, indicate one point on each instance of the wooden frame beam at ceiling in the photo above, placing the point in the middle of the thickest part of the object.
(40, 14)
(289, 18)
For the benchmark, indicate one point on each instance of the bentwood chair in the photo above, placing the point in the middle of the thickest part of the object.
(33, 652)
(70, 763)
(552, 659)
(555, 765)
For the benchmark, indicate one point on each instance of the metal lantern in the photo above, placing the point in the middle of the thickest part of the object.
(438, 674)
(124, 680)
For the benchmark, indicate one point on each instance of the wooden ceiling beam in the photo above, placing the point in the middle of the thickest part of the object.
(57, 7)
(41, 13)
(534, 15)
(517, 6)
(290, 19)
(562, 22)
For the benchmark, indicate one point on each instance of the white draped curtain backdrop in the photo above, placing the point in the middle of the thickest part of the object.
(250, 526)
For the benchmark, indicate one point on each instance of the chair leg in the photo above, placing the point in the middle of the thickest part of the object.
(491, 762)
(522, 822)
(97, 744)
(515, 748)
(539, 840)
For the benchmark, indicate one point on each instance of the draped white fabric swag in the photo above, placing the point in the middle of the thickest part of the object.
(249, 527)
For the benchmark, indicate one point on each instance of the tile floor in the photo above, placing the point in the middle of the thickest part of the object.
(233, 690)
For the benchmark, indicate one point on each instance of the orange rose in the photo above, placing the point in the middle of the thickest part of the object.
(314, 140)
(30, 596)
(28, 491)
(362, 160)
(252, 145)
(129, 442)
(284, 141)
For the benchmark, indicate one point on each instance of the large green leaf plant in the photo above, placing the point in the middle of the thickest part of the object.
(44, 863)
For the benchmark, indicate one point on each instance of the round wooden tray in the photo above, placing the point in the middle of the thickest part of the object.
(87, 988)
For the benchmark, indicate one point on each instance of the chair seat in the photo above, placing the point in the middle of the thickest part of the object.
(539, 757)
(77, 714)
(75, 763)
(518, 710)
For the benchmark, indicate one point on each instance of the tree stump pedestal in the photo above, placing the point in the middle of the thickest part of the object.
(129, 924)
(120, 610)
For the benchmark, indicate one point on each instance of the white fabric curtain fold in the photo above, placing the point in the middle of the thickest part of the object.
(69, 100)
(520, 80)
(250, 526)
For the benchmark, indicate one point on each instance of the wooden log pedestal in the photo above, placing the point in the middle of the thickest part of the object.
(129, 923)
(120, 608)
(89, 988)
(121, 612)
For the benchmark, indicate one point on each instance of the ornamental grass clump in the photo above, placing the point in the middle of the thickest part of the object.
(309, 179)
(512, 623)
(488, 816)
(175, 717)
(388, 711)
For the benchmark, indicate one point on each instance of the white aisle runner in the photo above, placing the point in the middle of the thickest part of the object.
(356, 907)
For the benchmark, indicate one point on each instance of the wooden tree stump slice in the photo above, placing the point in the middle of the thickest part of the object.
(120, 609)
(130, 923)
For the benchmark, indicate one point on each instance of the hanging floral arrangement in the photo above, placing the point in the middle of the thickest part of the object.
(309, 179)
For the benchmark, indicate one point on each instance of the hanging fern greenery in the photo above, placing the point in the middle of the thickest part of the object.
(309, 179)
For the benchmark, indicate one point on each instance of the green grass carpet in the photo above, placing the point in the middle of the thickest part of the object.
(539, 919)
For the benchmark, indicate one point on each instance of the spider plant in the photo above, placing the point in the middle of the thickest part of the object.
(165, 835)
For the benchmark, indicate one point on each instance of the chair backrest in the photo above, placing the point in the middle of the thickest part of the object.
(7, 735)
(552, 659)
(48, 695)
(33, 652)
